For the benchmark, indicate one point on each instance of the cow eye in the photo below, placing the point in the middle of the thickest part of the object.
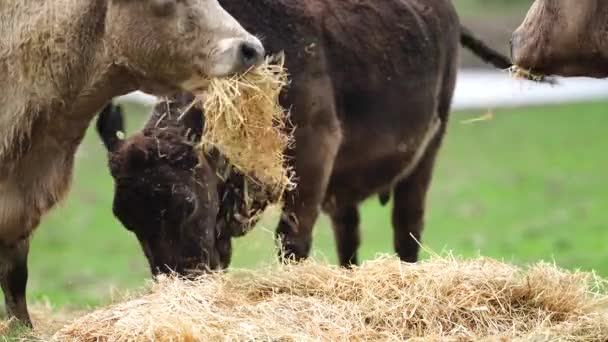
(163, 8)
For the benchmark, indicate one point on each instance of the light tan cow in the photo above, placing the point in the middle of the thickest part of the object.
(564, 38)
(63, 60)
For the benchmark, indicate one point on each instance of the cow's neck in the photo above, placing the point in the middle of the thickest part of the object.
(56, 79)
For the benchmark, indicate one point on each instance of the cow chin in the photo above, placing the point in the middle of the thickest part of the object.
(160, 88)
(230, 57)
(167, 259)
(577, 69)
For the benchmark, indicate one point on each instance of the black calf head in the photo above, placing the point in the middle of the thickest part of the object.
(182, 208)
(164, 195)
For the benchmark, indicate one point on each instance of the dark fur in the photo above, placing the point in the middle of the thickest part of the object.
(369, 79)
(162, 193)
(184, 211)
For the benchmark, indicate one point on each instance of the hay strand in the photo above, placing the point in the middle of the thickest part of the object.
(246, 124)
(444, 298)
(521, 73)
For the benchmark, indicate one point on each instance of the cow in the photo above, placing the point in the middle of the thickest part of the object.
(183, 206)
(563, 38)
(61, 62)
(371, 86)
(370, 96)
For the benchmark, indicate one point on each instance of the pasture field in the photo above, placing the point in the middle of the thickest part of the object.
(478, 8)
(528, 184)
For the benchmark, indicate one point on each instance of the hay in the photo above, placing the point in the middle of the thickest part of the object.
(4, 327)
(441, 299)
(521, 73)
(246, 124)
(46, 319)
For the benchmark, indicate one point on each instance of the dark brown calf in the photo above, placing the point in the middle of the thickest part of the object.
(182, 210)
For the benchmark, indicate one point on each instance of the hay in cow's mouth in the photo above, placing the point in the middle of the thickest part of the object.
(246, 124)
(444, 298)
(522, 73)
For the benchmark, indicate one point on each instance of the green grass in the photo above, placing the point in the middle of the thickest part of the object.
(529, 184)
(492, 8)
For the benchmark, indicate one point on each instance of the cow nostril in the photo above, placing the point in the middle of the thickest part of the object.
(251, 54)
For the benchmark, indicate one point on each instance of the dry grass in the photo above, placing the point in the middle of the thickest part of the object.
(245, 122)
(521, 73)
(4, 326)
(46, 319)
(444, 298)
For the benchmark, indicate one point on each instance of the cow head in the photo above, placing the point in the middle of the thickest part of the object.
(178, 44)
(163, 194)
(563, 37)
(183, 209)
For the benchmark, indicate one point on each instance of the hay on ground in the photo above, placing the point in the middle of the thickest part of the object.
(46, 319)
(443, 299)
(4, 326)
(246, 124)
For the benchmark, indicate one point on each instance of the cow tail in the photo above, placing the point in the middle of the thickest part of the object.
(110, 126)
(483, 51)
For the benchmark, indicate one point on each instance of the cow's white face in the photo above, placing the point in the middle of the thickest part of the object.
(563, 37)
(179, 43)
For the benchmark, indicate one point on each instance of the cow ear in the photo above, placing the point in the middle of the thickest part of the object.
(163, 8)
(194, 120)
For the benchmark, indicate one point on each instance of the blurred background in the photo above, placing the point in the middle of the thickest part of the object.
(521, 177)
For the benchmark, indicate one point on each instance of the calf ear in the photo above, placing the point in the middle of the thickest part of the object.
(110, 126)
(194, 120)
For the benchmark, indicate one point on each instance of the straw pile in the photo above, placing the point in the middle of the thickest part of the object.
(445, 299)
(246, 124)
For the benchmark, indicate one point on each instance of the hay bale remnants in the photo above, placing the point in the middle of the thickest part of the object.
(444, 298)
(246, 124)
(521, 73)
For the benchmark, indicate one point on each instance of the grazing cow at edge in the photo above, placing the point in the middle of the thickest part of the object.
(62, 61)
(370, 94)
(564, 38)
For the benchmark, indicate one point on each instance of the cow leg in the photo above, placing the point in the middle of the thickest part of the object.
(302, 207)
(410, 200)
(317, 139)
(347, 235)
(13, 279)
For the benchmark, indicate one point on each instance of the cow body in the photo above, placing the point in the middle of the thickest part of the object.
(63, 60)
(370, 94)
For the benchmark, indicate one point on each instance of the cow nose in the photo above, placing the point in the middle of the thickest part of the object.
(251, 54)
